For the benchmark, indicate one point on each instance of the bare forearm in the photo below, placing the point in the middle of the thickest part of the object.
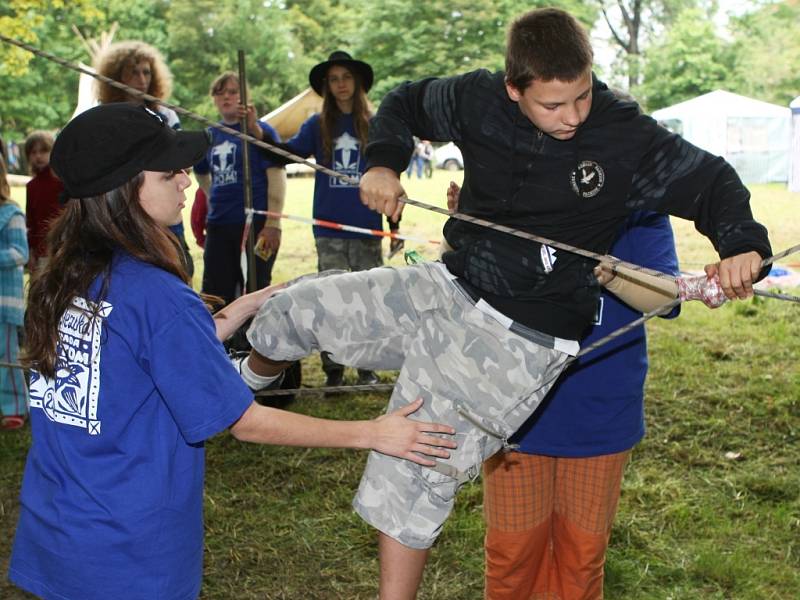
(276, 194)
(639, 295)
(265, 425)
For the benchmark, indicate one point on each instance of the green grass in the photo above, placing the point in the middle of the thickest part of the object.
(710, 507)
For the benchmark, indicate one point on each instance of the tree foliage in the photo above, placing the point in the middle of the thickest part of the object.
(767, 50)
(690, 60)
(680, 53)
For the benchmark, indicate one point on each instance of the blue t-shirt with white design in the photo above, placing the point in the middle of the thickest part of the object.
(224, 161)
(597, 406)
(112, 495)
(336, 200)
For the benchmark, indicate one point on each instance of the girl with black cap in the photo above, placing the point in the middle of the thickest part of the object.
(112, 496)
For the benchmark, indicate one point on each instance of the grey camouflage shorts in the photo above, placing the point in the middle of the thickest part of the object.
(472, 372)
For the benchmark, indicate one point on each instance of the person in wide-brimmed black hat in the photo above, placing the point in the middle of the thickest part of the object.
(336, 137)
(129, 378)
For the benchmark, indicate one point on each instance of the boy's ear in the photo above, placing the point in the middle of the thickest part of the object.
(512, 91)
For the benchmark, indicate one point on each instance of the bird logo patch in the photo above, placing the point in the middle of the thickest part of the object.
(587, 179)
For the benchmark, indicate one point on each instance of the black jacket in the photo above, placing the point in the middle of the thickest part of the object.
(576, 191)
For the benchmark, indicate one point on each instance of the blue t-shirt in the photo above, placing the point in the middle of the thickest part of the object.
(224, 161)
(336, 200)
(597, 406)
(112, 495)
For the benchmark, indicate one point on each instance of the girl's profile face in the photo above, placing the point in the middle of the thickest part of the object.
(162, 196)
(341, 83)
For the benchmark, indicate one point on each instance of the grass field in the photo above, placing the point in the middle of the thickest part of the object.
(710, 507)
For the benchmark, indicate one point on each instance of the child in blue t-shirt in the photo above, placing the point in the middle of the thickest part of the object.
(336, 138)
(112, 494)
(221, 175)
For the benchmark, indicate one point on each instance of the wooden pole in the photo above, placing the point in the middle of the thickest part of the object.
(248, 183)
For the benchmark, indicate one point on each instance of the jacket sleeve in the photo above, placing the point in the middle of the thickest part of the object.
(680, 179)
(429, 109)
(15, 250)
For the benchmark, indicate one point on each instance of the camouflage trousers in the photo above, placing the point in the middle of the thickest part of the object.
(473, 372)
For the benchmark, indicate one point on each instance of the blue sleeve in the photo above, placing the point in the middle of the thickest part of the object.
(651, 235)
(266, 163)
(194, 376)
(15, 253)
(304, 142)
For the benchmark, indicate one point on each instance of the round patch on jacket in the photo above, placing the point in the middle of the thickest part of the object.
(587, 180)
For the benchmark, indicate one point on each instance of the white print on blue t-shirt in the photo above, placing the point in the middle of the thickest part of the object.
(346, 157)
(72, 398)
(223, 161)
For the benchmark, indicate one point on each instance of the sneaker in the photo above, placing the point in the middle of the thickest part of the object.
(367, 378)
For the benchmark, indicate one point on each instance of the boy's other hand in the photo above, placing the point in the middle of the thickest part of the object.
(381, 191)
(453, 193)
(737, 274)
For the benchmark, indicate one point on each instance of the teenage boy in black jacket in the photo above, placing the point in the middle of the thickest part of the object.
(547, 149)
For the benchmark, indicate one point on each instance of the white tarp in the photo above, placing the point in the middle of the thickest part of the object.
(752, 135)
(86, 93)
(794, 162)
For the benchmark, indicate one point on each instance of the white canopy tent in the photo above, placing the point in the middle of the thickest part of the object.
(287, 118)
(752, 135)
(794, 162)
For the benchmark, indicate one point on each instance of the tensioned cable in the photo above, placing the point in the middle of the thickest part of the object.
(610, 260)
(282, 152)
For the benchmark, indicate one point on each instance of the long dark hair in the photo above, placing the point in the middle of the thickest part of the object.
(83, 239)
(329, 117)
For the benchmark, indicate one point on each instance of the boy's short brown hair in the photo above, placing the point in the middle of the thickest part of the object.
(546, 44)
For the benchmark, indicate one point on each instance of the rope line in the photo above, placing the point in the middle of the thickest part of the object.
(343, 227)
(613, 261)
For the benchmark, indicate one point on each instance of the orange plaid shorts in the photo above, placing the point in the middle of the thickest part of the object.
(548, 522)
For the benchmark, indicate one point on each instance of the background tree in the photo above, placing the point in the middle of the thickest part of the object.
(36, 93)
(688, 61)
(767, 52)
(322, 26)
(634, 23)
(410, 40)
(204, 36)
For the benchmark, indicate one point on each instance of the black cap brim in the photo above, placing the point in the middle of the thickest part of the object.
(180, 150)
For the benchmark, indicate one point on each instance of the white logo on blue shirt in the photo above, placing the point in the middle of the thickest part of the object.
(346, 158)
(223, 163)
(71, 399)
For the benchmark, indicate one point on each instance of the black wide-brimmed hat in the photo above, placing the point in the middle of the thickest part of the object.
(108, 145)
(317, 75)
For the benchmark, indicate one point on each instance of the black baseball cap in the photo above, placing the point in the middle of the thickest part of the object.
(108, 145)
